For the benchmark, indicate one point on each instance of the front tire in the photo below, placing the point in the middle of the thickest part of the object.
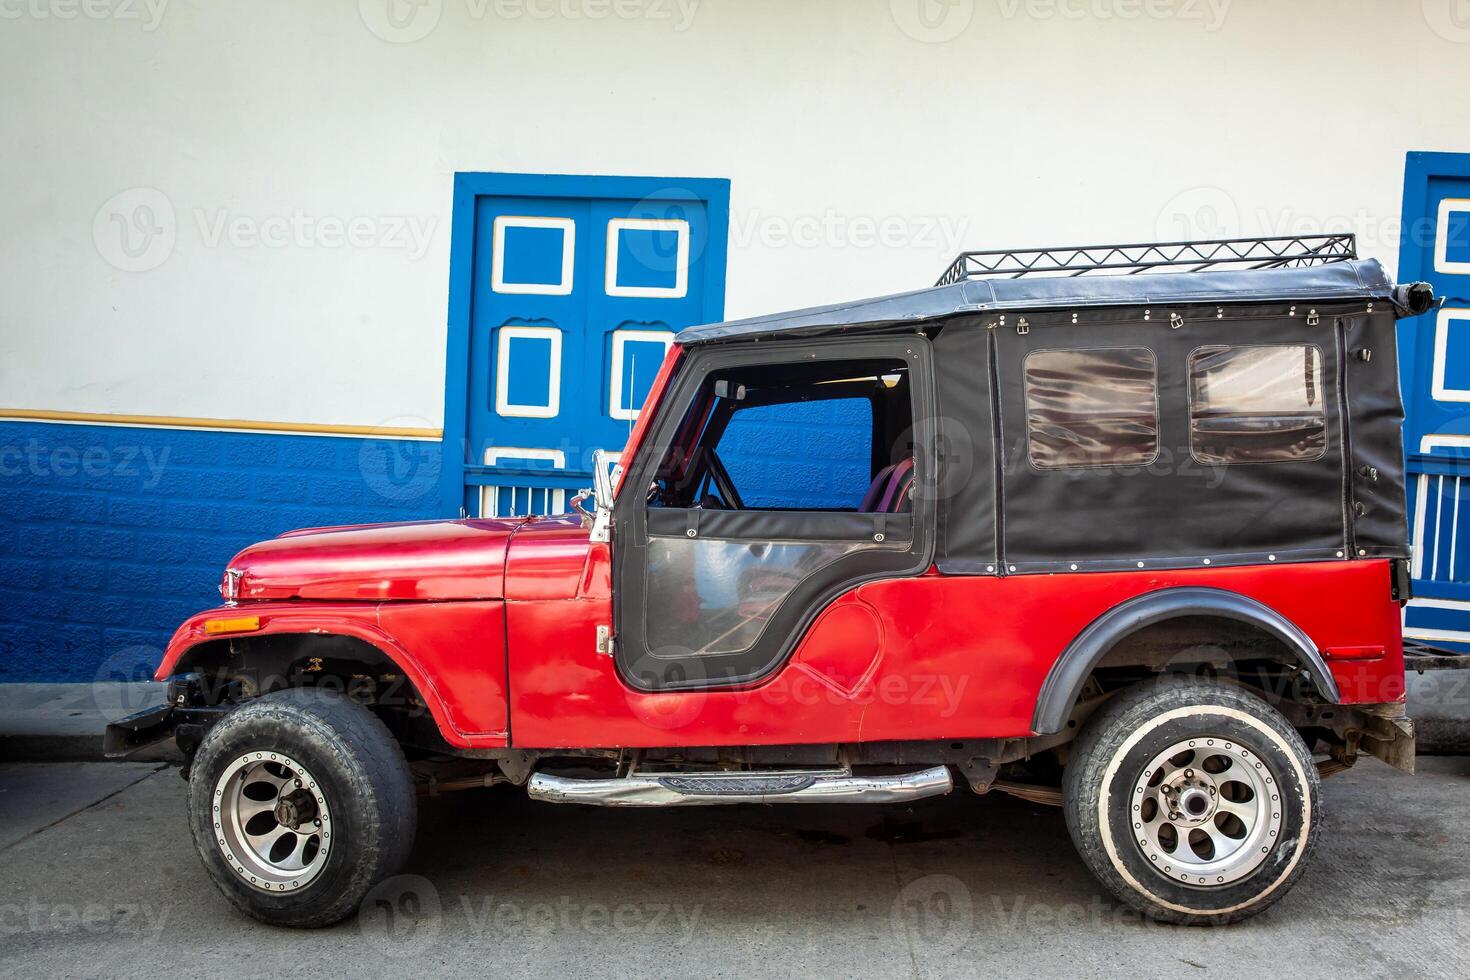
(300, 802)
(1195, 802)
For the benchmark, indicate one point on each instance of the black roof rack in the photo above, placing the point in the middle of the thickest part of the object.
(1321, 277)
(1080, 260)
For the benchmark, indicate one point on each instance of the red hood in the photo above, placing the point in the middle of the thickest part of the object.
(376, 562)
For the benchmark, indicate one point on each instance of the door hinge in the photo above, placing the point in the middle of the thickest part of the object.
(604, 640)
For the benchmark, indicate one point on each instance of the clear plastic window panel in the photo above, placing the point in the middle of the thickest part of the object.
(1092, 407)
(1257, 404)
(710, 597)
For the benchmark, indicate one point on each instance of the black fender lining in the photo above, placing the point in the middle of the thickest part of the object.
(1063, 684)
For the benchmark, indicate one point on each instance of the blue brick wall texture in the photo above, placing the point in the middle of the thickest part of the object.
(110, 535)
(809, 455)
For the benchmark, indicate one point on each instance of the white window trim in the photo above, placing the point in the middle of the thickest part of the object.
(1443, 441)
(681, 258)
(490, 496)
(1442, 237)
(568, 256)
(616, 406)
(1440, 391)
(503, 405)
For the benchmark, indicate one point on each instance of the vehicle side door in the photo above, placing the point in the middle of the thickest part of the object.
(732, 542)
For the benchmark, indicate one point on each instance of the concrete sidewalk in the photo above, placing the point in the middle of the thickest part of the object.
(64, 722)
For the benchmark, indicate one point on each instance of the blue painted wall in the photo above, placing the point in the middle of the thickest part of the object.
(809, 455)
(111, 535)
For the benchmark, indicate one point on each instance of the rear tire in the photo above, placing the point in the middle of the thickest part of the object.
(1195, 802)
(299, 803)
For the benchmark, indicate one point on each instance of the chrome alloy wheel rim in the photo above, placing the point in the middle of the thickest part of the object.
(271, 821)
(1206, 812)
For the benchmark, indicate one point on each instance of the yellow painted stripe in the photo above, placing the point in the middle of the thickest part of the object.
(244, 425)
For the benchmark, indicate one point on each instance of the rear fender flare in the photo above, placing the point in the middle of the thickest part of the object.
(1064, 682)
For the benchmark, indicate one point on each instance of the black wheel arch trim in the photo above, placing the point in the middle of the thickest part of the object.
(1064, 682)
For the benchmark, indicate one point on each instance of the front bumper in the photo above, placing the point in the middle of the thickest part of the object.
(185, 716)
(138, 730)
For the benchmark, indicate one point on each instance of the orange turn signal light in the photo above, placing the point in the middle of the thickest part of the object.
(236, 624)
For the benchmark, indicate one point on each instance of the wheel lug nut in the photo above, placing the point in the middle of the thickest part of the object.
(1188, 774)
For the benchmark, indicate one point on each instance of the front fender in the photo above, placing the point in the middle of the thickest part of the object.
(452, 652)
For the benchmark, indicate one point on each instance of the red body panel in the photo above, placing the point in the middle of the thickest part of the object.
(426, 560)
(453, 652)
(931, 657)
(549, 560)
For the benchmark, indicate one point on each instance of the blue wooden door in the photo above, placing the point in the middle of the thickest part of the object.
(576, 288)
(1435, 374)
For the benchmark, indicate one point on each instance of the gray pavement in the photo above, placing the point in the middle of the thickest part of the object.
(501, 886)
(33, 797)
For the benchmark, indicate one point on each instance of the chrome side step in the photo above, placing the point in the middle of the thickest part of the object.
(705, 788)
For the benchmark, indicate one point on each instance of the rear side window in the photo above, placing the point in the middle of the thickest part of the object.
(1091, 408)
(1257, 404)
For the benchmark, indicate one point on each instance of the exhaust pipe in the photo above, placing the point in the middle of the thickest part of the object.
(713, 788)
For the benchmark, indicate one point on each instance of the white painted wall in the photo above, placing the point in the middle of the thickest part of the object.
(1036, 122)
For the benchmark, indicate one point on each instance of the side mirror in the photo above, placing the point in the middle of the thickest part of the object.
(599, 519)
(602, 478)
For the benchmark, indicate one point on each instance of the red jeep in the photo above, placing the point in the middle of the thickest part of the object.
(1130, 544)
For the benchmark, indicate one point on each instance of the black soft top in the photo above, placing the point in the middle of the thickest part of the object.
(1342, 280)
